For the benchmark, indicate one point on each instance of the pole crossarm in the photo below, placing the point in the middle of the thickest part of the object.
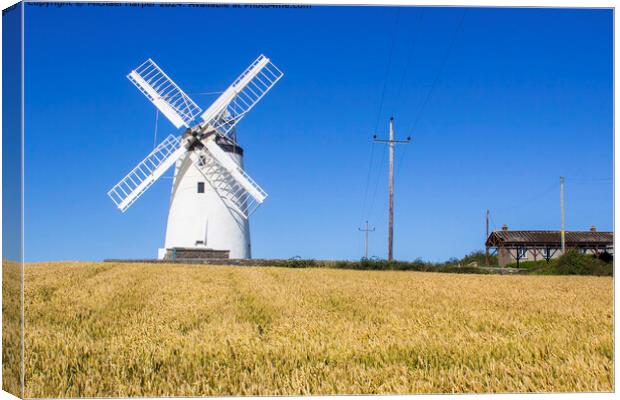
(393, 141)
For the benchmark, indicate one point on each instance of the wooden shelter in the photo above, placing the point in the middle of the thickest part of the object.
(515, 246)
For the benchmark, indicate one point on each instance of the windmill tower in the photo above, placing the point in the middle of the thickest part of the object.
(212, 195)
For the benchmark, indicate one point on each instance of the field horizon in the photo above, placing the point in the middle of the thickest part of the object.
(106, 329)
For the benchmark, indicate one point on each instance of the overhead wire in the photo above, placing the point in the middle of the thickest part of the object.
(548, 189)
(372, 152)
(423, 104)
(429, 93)
(374, 195)
(439, 71)
(408, 61)
(400, 88)
(589, 181)
(494, 211)
(519, 204)
(400, 161)
(382, 99)
(387, 70)
(401, 85)
(396, 173)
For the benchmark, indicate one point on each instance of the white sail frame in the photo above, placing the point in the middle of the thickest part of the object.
(139, 179)
(166, 95)
(240, 97)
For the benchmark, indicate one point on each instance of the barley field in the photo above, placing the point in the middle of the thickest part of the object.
(95, 329)
(11, 327)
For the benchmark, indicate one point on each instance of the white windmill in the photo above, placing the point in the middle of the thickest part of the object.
(212, 196)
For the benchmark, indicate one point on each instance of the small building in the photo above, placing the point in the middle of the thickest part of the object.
(516, 246)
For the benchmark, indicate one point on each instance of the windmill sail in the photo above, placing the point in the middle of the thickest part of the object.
(232, 184)
(132, 186)
(242, 95)
(164, 93)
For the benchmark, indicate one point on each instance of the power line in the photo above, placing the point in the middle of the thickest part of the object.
(519, 204)
(408, 62)
(387, 70)
(589, 180)
(372, 150)
(374, 195)
(439, 71)
(400, 161)
(423, 104)
(396, 175)
(552, 188)
(400, 88)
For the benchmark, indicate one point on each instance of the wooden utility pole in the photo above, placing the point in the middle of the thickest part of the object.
(366, 230)
(486, 254)
(562, 234)
(391, 142)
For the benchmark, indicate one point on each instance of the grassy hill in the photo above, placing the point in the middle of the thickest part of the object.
(175, 330)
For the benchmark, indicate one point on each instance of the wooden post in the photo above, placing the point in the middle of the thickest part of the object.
(391, 195)
(486, 255)
(562, 235)
(391, 142)
(366, 230)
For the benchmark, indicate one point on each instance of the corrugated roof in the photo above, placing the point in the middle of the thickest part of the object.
(572, 238)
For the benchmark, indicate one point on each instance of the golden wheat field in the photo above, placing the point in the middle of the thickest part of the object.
(94, 329)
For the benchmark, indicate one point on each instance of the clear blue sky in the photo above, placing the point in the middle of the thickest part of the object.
(11, 134)
(524, 96)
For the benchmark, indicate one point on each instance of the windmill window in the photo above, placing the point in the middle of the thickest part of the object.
(202, 160)
(201, 187)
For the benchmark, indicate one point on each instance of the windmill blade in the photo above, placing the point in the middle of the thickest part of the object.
(242, 95)
(164, 93)
(132, 186)
(232, 184)
(235, 171)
